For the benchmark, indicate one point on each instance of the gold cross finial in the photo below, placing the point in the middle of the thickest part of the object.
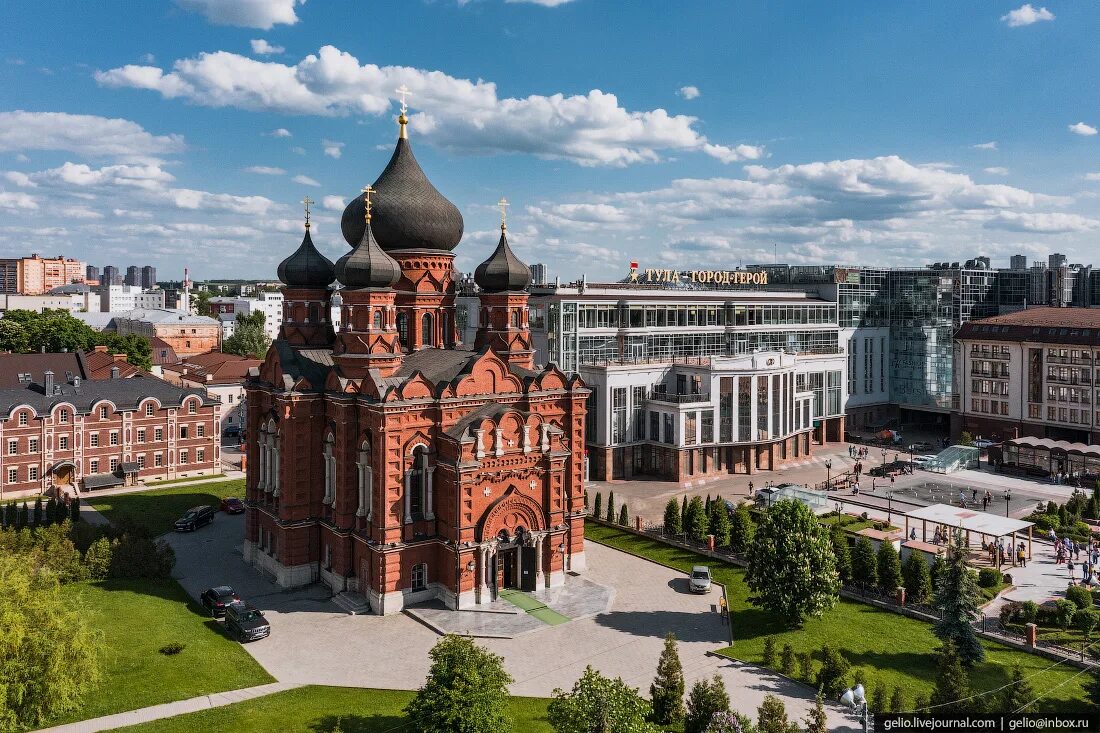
(307, 201)
(404, 93)
(503, 204)
(367, 191)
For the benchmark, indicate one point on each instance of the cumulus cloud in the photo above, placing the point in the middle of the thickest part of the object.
(996, 170)
(590, 129)
(298, 150)
(1092, 176)
(89, 135)
(1041, 222)
(305, 180)
(332, 203)
(260, 47)
(278, 132)
(17, 200)
(332, 148)
(689, 92)
(265, 170)
(245, 13)
(991, 145)
(1026, 15)
(1080, 128)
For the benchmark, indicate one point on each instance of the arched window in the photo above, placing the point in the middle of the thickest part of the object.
(312, 313)
(515, 318)
(378, 319)
(403, 328)
(418, 481)
(366, 480)
(420, 576)
(330, 470)
(427, 334)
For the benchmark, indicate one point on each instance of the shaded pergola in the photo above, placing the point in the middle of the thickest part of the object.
(970, 520)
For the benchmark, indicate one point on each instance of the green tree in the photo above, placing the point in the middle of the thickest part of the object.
(965, 438)
(769, 652)
(9, 515)
(952, 682)
(466, 690)
(889, 568)
(833, 672)
(74, 510)
(771, 716)
(877, 703)
(720, 525)
(37, 511)
(249, 338)
(786, 660)
(957, 597)
(624, 516)
(707, 698)
(864, 563)
(696, 525)
(817, 721)
(897, 701)
(50, 656)
(1086, 619)
(24, 516)
(98, 559)
(667, 690)
(55, 330)
(610, 507)
(672, 518)
(684, 515)
(791, 568)
(200, 301)
(1018, 695)
(742, 529)
(842, 553)
(597, 506)
(918, 581)
(597, 704)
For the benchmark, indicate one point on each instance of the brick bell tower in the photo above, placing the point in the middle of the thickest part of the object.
(307, 275)
(502, 324)
(368, 338)
(418, 227)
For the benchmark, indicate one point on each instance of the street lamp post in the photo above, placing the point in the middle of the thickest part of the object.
(828, 474)
(889, 507)
(1008, 498)
(884, 463)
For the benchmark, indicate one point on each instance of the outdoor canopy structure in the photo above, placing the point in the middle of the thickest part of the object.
(970, 520)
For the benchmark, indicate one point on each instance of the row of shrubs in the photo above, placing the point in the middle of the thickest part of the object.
(1067, 520)
(51, 512)
(1076, 610)
(72, 552)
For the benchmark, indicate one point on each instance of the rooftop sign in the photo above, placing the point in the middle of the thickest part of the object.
(709, 277)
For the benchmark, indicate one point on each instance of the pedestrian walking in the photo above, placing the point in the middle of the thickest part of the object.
(1072, 576)
(974, 496)
(750, 494)
(722, 606)
(1021, 556)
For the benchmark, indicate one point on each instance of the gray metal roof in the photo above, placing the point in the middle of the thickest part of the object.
(124, 394)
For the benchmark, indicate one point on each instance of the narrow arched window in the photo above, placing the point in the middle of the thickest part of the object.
(515, 319)
(418, 481)
(330, 470)
(427, 333)
(378, 319)
(403, 328)
(366, 480)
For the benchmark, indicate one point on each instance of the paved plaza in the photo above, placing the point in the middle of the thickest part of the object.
(392, 652)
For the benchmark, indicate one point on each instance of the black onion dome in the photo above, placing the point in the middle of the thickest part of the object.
(306, 267)
(367, 265)
(407, 210)
(503, 271)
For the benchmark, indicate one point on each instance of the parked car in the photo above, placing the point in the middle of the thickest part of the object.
(232, 505)
(195, 517)
(983, 443)
(922, 447)
(244, 622)
(700, 579)
(918, 460)
(216, 600)
(232, 431)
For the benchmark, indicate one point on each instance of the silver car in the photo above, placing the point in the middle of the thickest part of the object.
(700, 579)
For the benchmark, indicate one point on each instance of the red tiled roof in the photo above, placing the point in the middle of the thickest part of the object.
(214, 367)
(1078, 326)
(99, 362)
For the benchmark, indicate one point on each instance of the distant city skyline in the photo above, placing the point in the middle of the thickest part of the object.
(739, 133)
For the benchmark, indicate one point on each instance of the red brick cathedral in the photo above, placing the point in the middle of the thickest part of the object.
(389, 461)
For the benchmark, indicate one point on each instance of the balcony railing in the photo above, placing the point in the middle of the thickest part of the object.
(679, 399)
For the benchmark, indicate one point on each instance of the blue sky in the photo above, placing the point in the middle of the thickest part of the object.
(185, 132)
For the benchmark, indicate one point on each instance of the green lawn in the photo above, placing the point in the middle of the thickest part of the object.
(318, 710)
(184, 480)
(137, 618)
(889, 648)
(158, 509)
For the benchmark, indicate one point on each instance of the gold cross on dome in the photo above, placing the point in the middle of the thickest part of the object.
(367, 191)
(503, 204)
(404, 93)
(307, 201)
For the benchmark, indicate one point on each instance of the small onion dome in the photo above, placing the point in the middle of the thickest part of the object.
(306, 267)
(503, 271)
(367, 265)
(408, 212)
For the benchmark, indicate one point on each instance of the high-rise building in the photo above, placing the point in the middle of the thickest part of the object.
(148, 277)
(35, 275)
(133, 276)
(91, 274)
(538, 274)
(111, 276)
(1017, 262)
(1056, 260)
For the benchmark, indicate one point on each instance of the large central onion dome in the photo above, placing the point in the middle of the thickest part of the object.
(407, 211)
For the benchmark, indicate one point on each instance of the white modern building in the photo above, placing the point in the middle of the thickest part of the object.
(119, 298)
(225, 310)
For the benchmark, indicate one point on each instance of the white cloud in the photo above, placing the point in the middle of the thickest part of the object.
(991, 145)
(148, 58)
(278, 132)
(332, 203)
(305, 180)
(689, 92)
(260, 47)
(1026, 15)
(17, 200)
(1041, 223)
(148, 177)
(83, 134)
(996, 170)
(265, 170)
(332, 148)
(298, 150)
(590, 129)
(19, 179)
(1080, 128)
(543, 3)
(1092, 176)
(246, 13)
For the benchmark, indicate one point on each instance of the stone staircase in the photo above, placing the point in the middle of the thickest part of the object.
(354, 603)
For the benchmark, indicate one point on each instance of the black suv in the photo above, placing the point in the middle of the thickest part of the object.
(216, 600)
(244, 622)
(195, 518)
